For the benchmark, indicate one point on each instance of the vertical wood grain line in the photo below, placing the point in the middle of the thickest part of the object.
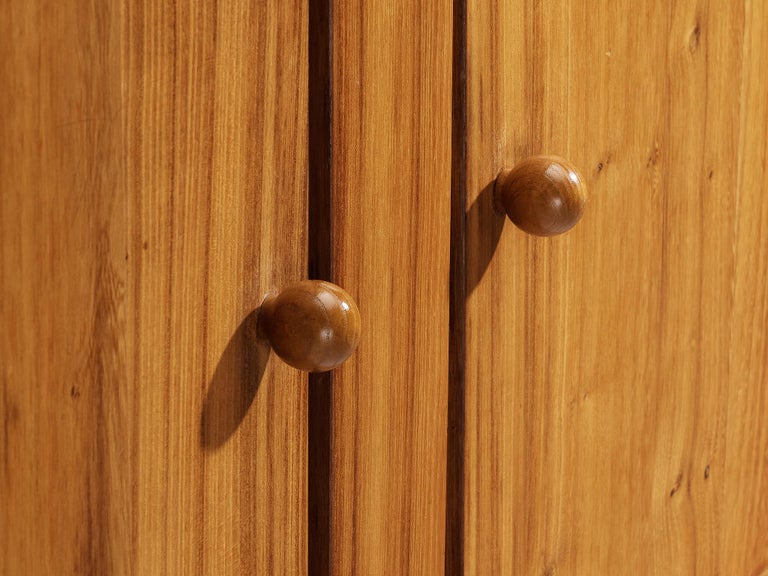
(319, 267)
(454, 510)
(209, 145)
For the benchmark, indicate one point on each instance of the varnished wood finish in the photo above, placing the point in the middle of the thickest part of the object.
(312, 325)
(542, 195)
(615, 386)
(67, 490)
(153, 188)
(391, 232)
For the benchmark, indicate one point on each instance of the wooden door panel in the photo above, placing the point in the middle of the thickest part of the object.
(607, 387)
(153, 189)
(614, 377)
(65, 497)
(744, 543)
(390, 166)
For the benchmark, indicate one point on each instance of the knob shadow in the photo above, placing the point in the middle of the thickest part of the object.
(484, 225)
(234, 384)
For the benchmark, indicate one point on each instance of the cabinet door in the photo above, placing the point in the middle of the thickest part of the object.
(152, 187)
(390, 226)
(614, 388)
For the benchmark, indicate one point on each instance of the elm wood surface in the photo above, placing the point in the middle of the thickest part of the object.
(143, 143)
(542, 195)
(615, 384)
(613, 392)
(312, 325)
(391, 125)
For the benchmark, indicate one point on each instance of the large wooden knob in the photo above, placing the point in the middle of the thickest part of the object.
(542, 195)
(312, 325)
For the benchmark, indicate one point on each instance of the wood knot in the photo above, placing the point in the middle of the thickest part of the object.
(694, 38)
(653, 159)
(676, 487)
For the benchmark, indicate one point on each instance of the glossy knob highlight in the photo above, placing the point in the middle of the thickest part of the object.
(542, 195)
(312, 325)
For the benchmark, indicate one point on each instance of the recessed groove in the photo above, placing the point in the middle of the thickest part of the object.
(454, 525)
(319, 267)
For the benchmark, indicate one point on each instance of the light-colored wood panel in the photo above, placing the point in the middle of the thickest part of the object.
(391, 232)
(155, 189)
(745, 506)
(605, 430)
(217, 97)
(66, 503)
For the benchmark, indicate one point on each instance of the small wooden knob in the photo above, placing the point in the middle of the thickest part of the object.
(312, 325)
(542, 195)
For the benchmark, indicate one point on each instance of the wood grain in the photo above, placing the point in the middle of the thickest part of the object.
(614, 386)
(67, 489)
(391, 126)
(744, 542)
(153, 188)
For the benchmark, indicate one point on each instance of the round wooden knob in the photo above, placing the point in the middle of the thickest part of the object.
(542, 195)
(312, 325)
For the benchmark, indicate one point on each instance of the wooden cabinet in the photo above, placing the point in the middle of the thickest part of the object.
(590, 403)
(614, 381)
